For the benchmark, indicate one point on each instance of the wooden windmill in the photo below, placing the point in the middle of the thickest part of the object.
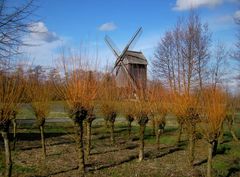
(130, 66)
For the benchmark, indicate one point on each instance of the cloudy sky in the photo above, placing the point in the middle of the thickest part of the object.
(83, 24)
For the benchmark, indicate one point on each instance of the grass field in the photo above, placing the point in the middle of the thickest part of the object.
(58, 109)
(120, 159)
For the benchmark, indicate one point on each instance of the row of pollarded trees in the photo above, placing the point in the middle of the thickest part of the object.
(182, 64)
(85, 91)
(33, 86)
(11, 89)
(20, 87)
(202, 112)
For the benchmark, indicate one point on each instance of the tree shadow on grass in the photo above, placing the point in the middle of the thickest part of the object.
(170, 130)
(200, 162)
(59, 172)
(106, 132)
(102, 137)
(39, 146)
(130, 147)
(91, 167)
(34, 136)
(220, 150)
(148, 155)
(232, 170)
(169, 150)
(235, 167)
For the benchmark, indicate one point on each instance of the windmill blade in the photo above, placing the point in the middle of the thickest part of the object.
(129, 76)
(112, 46)
(135, 39)
(132, 42)
(115, 65)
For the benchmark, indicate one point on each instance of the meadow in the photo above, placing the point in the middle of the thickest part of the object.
(120, 159)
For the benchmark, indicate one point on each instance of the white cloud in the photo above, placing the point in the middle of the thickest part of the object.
(41, 33)
(109, 26)
(42, 44)
(237, 15)
(43, 54)
(192, 4)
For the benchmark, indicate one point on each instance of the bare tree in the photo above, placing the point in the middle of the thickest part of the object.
(180, 62)
(141, 116)
(90, 118)
(164, 61)
(212, 112)
(185, 108)
(38, 92)
(236, 53)
(20, 77)
(158, 108)
(11, 89)
(182, 55)
(79, 90)
(202, 42)
(232, 107)
(127, 110)
(108, 99)
(15, 22)
(217, 70)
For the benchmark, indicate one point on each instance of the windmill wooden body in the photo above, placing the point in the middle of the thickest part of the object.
(130, 67)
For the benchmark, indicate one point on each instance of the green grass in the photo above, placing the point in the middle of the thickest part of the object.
(55, 128)
(57, 110)
(228, 157)
(1, 163)
(220, 168)
(23, 169)
(57, 115)
(16, 168)
(25, 112)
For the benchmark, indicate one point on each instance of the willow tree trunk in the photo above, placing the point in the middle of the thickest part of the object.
(179, 135)
(106, 123)
(153, 126)
(191, 146)
(209, 162)
(158, 133)
(215, 146)
(8, 158)
(89, 133)
(129, 128)
(14, 132)
(234, 135)
(112, 138)
(79, 140)
(230, 127)
(141, 142)
(43, 141)
(221, 136)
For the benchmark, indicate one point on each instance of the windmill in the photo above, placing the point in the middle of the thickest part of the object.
(130, 66)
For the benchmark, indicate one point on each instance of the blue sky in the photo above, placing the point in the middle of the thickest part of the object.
(84, 23)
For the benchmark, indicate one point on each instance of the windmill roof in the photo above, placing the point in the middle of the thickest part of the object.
(135, 57)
